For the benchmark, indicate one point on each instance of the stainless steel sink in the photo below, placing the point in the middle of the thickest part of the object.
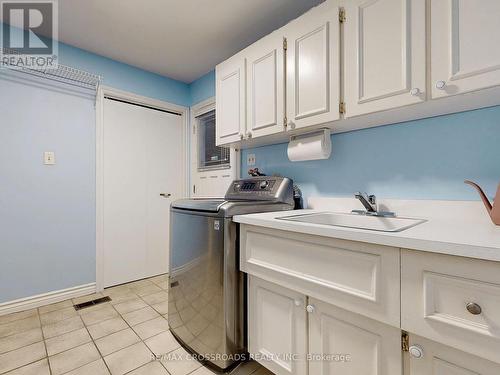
(377, 223)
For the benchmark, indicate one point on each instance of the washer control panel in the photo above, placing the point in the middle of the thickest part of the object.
(260, 188)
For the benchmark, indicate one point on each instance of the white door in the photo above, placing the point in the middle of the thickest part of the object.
(442, 360)
(265, 83)
(465, 35)
(142, 158)
(313, 78)
(230, 100)
(364, 346)
(277, 327)
(384, 54)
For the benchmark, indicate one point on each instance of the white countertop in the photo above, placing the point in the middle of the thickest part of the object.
(463, 230)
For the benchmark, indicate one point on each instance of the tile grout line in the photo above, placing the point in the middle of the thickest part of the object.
(43, 339)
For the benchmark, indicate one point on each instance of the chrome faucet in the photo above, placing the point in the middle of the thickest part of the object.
(370, 203)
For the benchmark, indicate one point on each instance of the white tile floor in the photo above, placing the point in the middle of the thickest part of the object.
(118, 337)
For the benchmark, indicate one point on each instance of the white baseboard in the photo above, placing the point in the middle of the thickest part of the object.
(46, 298)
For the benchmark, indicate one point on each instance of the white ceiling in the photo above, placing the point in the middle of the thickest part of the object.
(181, 39)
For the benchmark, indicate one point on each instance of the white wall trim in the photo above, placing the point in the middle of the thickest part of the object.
(106, 91)
(203, 107)
(46, 298)
(199, 109)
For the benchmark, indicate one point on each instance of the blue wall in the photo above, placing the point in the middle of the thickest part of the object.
(126, 77)
(203, 88)
(423, 159)
(47, 213)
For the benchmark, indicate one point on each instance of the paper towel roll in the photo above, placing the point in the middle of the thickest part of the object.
(314, 146)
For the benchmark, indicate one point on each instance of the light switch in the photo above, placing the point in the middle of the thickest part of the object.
(49, 158)
(250, 159)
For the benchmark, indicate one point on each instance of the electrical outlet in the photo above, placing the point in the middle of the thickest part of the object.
(49, 158)
(250, 159)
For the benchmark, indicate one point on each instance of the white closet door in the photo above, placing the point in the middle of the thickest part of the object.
(384, 54)
(265, 83)
(313, 81)
(465, 35)
(143, 153)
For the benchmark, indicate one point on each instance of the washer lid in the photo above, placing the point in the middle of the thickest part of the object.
(205, 205)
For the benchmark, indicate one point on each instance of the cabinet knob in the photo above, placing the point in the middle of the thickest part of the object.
(473, 308)
(249, 134)
(291, 124)
(416, 351)
(440, 85)
(310, 308)
(415, 91)
(242, 136)
(298, 302)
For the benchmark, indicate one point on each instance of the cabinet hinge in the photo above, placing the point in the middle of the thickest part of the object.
(342, 15)
(285, 122)
(285, 44)
(194, 189)
(405, 341)
(342, 107)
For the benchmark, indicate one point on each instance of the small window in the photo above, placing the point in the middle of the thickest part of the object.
(210, 156)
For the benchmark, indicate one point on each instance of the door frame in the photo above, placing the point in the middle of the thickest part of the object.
(106, 91)
(197, 110)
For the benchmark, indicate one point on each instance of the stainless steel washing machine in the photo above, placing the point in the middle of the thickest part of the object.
(207, 291)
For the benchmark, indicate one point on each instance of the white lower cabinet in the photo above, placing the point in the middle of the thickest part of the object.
(328, 341)
(277, 327)
(439, 359)
(342, 342)
(306, 314)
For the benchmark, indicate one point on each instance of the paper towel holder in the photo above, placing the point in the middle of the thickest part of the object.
(324, 131)
(298, 145)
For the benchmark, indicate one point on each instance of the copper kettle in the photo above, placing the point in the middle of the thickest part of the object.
(493, 209)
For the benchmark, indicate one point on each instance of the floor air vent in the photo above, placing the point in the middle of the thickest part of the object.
(92, 303)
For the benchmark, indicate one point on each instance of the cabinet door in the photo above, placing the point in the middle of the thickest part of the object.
(465, 35)
(313, 81)
(438, 359)
(384, 54)
(265, 99)
(342, 342)
(230, 100)
(277, 329)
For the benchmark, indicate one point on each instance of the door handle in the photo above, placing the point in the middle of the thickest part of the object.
(165, 195)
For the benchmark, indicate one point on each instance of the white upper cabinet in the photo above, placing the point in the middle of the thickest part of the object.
(389, 56)
(384, 54)
(313, 67)
(465, 35)
(265, 78)
(230, 100)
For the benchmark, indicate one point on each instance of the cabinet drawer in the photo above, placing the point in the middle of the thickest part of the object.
(453, 300)
(439, 359)
(359, 277)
